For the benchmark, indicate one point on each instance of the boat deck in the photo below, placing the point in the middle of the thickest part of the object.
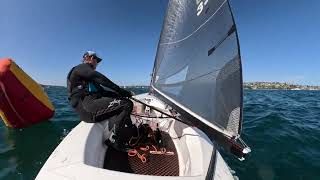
(157, 165)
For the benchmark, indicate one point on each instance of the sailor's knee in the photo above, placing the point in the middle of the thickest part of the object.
(87, 117)
(128, 104)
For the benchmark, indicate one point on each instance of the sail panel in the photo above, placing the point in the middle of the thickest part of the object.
(198, 61)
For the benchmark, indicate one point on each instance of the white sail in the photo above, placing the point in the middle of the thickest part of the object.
(198, 64)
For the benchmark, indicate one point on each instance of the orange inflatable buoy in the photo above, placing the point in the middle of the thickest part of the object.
(22, 100)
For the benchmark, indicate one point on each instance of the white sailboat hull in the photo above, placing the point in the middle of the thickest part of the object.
(82, 153)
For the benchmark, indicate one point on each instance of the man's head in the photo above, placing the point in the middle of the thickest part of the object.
(92, 58)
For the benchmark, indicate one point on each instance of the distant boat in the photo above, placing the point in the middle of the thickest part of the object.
(195, 99)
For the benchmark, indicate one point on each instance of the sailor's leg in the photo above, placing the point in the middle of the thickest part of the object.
(117, 111)
(101, 108)
(118, 121)
(106, 107)
(84, 115)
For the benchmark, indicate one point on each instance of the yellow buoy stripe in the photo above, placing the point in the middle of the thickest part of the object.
(34, 88)
(4, 118)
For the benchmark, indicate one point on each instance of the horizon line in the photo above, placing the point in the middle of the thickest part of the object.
(130, 85)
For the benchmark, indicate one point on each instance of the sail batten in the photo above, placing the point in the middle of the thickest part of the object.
(198, 64)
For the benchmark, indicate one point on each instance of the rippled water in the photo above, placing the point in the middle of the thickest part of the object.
(283, 130)
(281, 127)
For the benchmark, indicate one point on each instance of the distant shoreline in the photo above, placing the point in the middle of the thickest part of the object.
(278, 86)
(246, 85)
(281, 89)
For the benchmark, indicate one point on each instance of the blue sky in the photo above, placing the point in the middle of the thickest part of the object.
(279, 39)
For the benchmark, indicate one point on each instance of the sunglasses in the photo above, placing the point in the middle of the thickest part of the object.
(96, 58)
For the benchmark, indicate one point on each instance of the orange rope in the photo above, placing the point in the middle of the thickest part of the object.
(144, 147)
(134, 152)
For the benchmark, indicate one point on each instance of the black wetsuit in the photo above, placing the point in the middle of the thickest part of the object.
(102, 104)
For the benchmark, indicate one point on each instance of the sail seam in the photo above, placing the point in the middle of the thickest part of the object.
(213, 49)
(195, 78)
(192, 79)
(170, 75)
(168, 43)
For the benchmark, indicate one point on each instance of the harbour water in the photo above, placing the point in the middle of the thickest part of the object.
(281, 127)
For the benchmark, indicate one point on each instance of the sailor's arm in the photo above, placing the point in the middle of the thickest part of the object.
(103, 80)
(99, 78)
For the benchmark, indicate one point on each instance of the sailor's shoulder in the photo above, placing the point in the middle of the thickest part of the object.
(82, 66)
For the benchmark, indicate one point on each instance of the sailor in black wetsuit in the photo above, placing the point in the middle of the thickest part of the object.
(94, 104)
